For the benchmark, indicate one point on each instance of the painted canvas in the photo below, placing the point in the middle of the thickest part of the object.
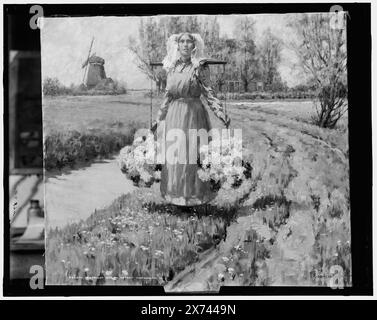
(196, 151)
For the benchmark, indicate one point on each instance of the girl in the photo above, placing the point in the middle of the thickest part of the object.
(188, 83)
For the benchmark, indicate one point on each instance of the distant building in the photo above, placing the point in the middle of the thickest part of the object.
(96, 71)
(256, 86)
(260, 86)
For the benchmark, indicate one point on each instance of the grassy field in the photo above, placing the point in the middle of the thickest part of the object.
(81, 129)
(288, 225)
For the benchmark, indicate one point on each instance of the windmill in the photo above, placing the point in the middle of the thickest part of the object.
(94, 69)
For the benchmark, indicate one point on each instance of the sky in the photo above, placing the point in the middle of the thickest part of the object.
(65, 44)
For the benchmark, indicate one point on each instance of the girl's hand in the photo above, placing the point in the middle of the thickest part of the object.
(227, 121)
(154, 127)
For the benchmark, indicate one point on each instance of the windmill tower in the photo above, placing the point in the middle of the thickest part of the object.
(94, 69)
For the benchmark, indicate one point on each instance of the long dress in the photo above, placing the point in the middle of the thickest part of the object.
(187, 91)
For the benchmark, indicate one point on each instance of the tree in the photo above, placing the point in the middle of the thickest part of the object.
(244, 33)
(270, 57)
(150, 46)
(154, 32)
(210, 32)
(321, 48)
(151, 43)
(178, 24)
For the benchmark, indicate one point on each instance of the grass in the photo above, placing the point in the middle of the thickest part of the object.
(69, 148)
(128, 243)
(292, 228)
(82, 129)
(308, 189)
(83, 113)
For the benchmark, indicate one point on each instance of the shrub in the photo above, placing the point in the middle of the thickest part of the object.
(267, 95)
(69, 148)
(108, 86)
(332, 104)
(53, 87)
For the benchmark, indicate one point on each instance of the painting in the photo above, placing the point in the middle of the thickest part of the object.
(257, 196)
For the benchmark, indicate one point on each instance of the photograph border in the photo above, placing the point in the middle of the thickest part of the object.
(360, 124)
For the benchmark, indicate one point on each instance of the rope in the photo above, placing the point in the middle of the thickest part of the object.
(226, 92)
(225, 99)
(151, 106)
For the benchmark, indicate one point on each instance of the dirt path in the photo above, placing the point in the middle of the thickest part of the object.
(74, 196)
(308, 150)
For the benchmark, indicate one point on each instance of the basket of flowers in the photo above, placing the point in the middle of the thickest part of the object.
(137, 161)
(221, 163)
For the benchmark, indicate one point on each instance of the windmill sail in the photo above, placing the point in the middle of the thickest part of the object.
(86, 63)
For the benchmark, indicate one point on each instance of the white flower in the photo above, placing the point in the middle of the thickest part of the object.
(138, 140)
(225, 259)
(203, 175)
(138, 160)
(125, 273)
(159, 253)
(144, 175)
(227, 160)
(227, 186)
(157, 175)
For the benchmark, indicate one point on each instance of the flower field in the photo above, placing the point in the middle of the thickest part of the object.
(130, 244)
(288, 225)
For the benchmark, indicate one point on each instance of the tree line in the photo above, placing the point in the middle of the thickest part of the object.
(320, 46)
(246, 62)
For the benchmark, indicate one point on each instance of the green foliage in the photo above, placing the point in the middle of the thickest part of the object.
(270, 56)
(268, 95)
(53, 87)
(131, 243)
(297, 218)
(245, 60)
(73, 147)
(322, 50)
